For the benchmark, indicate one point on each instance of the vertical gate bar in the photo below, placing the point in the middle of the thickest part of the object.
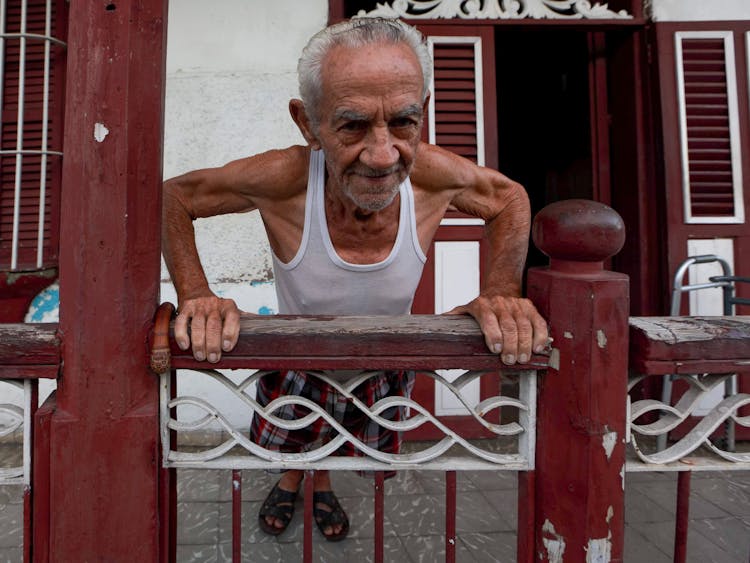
(450, 516)
(236, 516)
(45, 132)
(167, 475)
(379, 515)
(19, 138)
(527, 393)
(164, 512)
(28, 522)
(31, 397)
(525, 533)
(3, 6)
(682, 516)
(307, 551)
(173, 515)
(172, 479)
(3, 9)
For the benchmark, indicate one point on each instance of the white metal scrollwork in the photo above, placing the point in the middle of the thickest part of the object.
(671, 416)
(15, 417)
(433, 456)
(495, 9)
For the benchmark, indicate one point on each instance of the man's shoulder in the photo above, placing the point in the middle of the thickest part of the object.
(294, 158)
(277, 173)
(437, 169)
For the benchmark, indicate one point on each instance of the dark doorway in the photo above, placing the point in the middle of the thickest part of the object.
(544, 132)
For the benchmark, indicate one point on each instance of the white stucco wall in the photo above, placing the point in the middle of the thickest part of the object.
(700, 10)
(231, 71)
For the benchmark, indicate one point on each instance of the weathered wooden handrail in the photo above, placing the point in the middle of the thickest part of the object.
(325, 342)
(665, 345)
(29, 351)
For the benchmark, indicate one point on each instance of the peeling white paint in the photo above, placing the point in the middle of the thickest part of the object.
(100, 132)
(568, 335)
(554, 543)
(598, 551)
(601, 339)
(554, 359)
(609, 441)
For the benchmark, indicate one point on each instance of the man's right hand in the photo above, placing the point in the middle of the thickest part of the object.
(212, 323)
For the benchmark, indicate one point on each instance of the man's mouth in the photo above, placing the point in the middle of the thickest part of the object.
(372, 173)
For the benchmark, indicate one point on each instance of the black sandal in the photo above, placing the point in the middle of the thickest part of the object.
(330, 518)
(279, 504)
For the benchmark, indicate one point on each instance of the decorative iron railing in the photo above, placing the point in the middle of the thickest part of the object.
(425, 339)
(520, 435)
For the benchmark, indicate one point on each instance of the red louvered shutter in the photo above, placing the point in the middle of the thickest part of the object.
(23, 199)
(456, 126)
(712, 180)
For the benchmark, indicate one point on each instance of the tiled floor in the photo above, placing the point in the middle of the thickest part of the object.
(486, 518)
(414, 519)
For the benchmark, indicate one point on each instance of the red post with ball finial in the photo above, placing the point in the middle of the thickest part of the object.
(579, 475)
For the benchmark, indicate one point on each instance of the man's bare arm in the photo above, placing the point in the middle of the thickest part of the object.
(209, 323)
(511, 324)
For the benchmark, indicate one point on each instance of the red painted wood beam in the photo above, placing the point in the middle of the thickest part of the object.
(324, 342)
(379, 520)
(104, 501)
(450, 517)
(29, 351)
(307, 531)
(682, 516)
(580, 453)
(689, 339)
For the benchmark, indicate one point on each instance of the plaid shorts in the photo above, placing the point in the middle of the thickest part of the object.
(338, 406)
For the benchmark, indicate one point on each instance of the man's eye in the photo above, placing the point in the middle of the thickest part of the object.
(352, 126)
(403, 122)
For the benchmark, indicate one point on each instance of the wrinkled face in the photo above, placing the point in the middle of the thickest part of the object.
(370, 120)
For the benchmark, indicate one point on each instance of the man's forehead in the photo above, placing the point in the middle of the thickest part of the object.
(384, 57)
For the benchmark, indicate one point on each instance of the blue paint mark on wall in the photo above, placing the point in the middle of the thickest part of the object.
(45, 308)
(266, 311)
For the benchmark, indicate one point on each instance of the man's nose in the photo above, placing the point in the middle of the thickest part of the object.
(380, 151)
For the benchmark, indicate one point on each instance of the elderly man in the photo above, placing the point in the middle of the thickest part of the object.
(349, 219)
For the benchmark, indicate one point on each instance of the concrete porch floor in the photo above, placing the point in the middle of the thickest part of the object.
(414, 518)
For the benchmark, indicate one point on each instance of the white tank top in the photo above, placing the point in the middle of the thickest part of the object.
(318, 282)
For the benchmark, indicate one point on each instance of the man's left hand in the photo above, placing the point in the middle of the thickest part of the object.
(512, 326)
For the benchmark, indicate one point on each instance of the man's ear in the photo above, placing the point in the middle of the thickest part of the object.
(300, 117)
(426, 104)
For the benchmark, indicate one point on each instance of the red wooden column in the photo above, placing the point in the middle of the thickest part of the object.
(103, 497)
(580, 453)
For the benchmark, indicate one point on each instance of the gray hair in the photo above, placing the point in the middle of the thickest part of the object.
(356, 32)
